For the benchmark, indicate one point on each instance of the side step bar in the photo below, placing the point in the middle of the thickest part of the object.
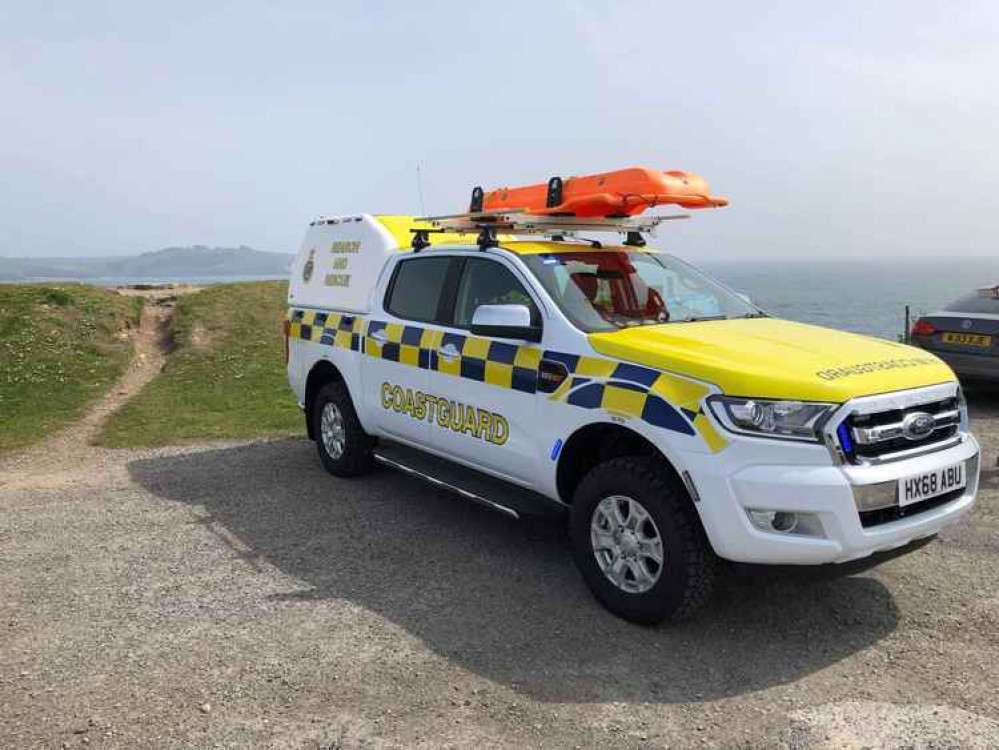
(444, 485)
(506, 498)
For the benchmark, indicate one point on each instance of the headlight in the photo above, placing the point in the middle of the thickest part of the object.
(788, 420)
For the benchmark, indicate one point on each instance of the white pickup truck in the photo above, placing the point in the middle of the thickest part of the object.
(672, 421)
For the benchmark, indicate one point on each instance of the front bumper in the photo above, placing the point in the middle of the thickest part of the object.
(764, 474)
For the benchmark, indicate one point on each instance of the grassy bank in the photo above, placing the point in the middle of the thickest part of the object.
(225, 378)
(60, 347)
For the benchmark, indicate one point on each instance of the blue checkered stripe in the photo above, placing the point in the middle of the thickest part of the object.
(495, 363)
(329, 329)
(660, 399)
(622, 388)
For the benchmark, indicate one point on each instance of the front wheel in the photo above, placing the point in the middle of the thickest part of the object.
(344, 447)
(638, 543)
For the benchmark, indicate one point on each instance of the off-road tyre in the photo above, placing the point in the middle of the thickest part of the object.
(356, 458)
(689, 567)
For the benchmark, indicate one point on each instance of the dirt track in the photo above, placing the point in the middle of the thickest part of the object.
(235, 595)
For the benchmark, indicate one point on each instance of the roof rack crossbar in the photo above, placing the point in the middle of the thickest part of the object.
(520, 222)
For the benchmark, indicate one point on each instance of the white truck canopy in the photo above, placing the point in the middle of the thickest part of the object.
(341, 257)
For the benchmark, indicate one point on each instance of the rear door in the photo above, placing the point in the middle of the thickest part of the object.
(486, 415)
(399, 344)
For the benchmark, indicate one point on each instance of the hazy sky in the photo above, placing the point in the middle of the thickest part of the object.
(855, 128)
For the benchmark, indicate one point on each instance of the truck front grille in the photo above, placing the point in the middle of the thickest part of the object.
(881, 436)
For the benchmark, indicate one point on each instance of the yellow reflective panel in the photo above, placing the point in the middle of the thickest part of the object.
(680, 391)
(399, 227)
(409, 355)
(527, 357)
(623, 401)
(394, 332)
(474, 347)
(708, 432)
(593, 367)
(499, 374)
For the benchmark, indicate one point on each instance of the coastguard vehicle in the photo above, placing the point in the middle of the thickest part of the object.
(502, 355)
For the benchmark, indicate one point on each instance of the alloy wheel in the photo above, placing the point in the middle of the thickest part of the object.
(627, 544)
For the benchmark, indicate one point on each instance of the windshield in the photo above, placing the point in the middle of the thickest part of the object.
(608, 289)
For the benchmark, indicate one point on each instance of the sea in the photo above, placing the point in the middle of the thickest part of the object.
(863, 296)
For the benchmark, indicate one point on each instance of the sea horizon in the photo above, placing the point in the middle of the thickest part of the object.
(867, 296)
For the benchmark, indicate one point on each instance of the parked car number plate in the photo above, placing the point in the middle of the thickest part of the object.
(968, 339)
(918, 487)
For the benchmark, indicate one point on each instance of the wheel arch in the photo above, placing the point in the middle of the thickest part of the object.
(597, 442)
(322, 372)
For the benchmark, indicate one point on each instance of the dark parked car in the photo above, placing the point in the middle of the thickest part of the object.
(965, 334)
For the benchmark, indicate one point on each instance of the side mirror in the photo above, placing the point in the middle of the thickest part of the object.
(505, 322)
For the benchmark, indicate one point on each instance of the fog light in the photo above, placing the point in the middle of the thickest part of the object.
(786, 522)
(773, 520)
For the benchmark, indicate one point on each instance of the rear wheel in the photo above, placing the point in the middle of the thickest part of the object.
(344, 447)
(638, 543)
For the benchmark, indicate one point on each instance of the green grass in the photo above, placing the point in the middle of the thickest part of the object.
(60, 348)
(225, 378)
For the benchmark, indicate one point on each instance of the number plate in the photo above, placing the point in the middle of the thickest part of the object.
(930, 484)
(968, 339)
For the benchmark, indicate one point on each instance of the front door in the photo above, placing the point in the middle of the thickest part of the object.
(487, 386)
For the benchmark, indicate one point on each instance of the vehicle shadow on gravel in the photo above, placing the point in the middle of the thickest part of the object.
(503, 599)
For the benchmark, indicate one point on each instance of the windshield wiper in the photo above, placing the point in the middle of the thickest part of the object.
(702, 317)
(757, 314)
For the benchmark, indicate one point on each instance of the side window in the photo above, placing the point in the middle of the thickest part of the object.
(486, 282)
(415, 291)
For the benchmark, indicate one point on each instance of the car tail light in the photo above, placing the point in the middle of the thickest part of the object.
(287, 333)
(923, 328)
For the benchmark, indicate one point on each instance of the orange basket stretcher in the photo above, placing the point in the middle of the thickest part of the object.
(624, 192)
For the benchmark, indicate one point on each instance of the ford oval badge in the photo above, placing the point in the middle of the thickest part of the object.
(918, 425)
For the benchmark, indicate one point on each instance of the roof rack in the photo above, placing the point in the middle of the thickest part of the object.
(488, 224)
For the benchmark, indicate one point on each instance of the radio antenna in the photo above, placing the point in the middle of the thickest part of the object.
(419, 188)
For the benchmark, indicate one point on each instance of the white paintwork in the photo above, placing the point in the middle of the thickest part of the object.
(375, 245)
(806, 481)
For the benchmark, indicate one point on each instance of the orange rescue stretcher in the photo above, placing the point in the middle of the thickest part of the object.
(624, 192)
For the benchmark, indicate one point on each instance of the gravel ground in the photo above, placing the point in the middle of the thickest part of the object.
(235, 595)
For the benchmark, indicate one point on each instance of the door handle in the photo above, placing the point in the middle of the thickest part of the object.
(449, 352)
(380, 336)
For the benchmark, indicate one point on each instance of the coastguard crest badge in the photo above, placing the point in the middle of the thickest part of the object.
(310, 266)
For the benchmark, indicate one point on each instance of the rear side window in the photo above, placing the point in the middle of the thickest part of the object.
(974, 303)
(416, 288)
